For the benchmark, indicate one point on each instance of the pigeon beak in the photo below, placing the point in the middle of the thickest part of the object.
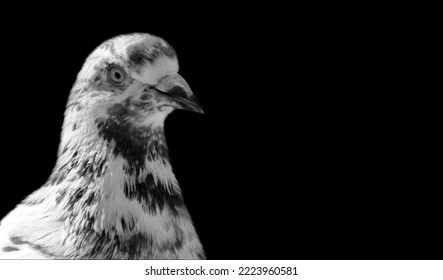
(176, 90)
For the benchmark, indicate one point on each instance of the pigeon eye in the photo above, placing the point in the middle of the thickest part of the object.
(117, 74)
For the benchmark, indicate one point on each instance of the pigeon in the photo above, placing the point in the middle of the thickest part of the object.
(112, 193)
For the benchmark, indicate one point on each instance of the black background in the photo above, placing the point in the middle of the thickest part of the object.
(310, 147)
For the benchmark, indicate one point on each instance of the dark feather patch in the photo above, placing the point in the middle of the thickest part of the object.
(17, 240)
(76, 196)
(155, 196)
(10, 249)
(136, 244)
(149, 50)
(92, 168)
(133, 143)
(61, 170)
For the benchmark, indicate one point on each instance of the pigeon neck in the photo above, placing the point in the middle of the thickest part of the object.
(142, 155)
(133, 160)
(112, 201)
(139, 171)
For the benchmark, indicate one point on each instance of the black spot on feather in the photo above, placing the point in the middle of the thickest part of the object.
(90, 198)
(64, 150)
(101, 169)
(60, 195)
(123, 223)
(77, 195)
(17, 240)
(10, 249)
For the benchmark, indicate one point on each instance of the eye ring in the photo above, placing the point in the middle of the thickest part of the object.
(116, 74)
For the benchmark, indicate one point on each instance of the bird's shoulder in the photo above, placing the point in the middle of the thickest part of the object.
(31, 230)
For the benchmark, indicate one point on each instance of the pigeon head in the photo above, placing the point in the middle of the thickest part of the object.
(126, 88)
(133, 78)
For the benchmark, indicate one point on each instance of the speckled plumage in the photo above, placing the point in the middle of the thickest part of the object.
(112, 193)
